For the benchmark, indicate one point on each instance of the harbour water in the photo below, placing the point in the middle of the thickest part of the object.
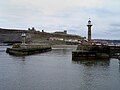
(55, 70)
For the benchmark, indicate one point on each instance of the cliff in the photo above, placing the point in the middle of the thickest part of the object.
(14, 35)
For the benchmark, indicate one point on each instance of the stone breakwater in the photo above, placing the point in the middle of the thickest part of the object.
(96, 52)
(28, 49)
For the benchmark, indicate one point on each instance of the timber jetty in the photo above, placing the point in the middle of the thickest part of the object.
(22, 50)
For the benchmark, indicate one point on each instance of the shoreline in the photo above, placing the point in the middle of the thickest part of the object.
(64, 47)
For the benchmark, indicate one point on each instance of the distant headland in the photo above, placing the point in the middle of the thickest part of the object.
(34, 36)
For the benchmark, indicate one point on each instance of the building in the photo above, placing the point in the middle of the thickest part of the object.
(64, 32)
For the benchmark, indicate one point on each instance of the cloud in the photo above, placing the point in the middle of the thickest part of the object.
(116, 25)
(57, 4)
(54, 15)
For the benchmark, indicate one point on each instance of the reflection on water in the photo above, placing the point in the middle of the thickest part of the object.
(119, 65)
(23, 58)
(104, 63)
(55, 70)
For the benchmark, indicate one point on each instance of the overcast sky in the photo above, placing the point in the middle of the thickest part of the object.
(71, 15)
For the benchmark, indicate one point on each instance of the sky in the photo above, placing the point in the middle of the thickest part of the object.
(59, 15)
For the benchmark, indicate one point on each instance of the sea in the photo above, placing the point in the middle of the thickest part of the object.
(55, 70)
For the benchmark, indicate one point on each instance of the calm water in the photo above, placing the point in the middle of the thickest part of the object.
(55, 71)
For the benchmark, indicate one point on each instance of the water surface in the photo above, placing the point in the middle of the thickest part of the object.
(55, 70)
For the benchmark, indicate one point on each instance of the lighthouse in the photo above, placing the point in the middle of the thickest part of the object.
(23, 38)
(89, 31)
